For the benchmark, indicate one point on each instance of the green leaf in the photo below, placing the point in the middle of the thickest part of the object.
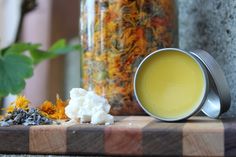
(40, 55)
(19, 48)
(14, 69)
(61, 43)
(58, 48)
(16, 66)
(66, 49)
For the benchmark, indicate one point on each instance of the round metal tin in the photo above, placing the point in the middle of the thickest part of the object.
(198, 108)
(216, 99)
(219, 99)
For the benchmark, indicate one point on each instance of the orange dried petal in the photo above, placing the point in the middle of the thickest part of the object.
(22, 102)
(52, 111)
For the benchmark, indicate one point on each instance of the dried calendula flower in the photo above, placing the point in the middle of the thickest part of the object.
(47, 108)
(10, 108)
(54, 111)
(60, 107)
(122, 33)
(20, 113)
(1, 117)
(21, 102)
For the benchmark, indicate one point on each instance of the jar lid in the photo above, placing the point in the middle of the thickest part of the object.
(219, 99)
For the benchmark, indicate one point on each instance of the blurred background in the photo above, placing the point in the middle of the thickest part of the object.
(205, 24)
(49, 21)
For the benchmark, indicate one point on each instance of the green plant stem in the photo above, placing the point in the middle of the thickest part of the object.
(1, 105)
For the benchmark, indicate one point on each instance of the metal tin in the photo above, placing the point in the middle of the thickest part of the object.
(216, 98)
(204, 70)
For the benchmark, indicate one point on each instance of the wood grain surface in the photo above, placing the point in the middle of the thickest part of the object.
(203, 137)
(48, 139)
(14, 139)
(131, 136)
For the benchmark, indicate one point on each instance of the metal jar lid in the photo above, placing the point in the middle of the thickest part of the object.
(218, 100)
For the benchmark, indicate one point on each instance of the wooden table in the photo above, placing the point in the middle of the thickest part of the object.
(131, 135)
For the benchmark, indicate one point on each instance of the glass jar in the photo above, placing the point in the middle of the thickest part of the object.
(116, 35)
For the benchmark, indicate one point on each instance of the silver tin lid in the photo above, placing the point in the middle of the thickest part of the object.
(219, 99)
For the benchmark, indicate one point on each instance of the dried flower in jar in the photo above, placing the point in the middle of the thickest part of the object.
(116, 36)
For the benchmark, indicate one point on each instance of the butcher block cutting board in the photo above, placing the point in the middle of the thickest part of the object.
(131, 135)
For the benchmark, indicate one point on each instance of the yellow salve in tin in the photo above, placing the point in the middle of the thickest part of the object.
(170, 84)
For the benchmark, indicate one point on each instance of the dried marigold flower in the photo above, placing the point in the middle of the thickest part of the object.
(10, 108)
(21, 102)
(1, 117)
(60, 107)
(47, 107)
(52, 111)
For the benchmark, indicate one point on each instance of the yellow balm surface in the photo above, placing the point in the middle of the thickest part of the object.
(170, 84)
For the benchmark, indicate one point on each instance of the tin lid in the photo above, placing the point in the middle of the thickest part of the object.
(218, 99)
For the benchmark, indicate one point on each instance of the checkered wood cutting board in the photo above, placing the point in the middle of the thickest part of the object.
(131, 135)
